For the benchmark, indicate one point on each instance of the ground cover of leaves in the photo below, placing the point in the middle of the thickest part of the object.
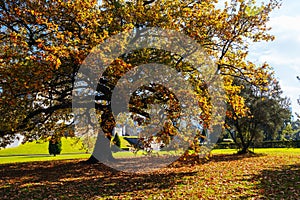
(220, 177)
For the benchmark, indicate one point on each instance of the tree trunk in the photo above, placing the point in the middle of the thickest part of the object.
(245, 150)
(92, 160)
(102, 151)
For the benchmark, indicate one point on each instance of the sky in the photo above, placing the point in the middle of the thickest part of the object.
(283, 54)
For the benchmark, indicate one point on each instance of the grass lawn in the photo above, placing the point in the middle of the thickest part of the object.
(270, 174)
(69, 145)
(31, 158)
(269, 151)
(38, 151)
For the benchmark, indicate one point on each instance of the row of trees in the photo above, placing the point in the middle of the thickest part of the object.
(44, 42)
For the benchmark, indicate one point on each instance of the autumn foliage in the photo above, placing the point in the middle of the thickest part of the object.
(44, 42)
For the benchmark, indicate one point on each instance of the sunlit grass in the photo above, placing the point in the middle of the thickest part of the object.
(126, 154)
(38, 151)
(278, 151)
(223, 151)
(268, 151)
(265, 176)
(32, 158)
(69, 145)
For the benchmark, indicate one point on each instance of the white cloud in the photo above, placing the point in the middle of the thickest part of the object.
(283, 54)
(286, 69)
(280, 60)
(287, 31)
(285, 24)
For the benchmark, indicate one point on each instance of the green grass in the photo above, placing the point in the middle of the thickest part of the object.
(268, 151)
(38, 151)
(278, 151)
(32, 158)
(126, 154)
(41, 147)
(125, 143)
(223, 151)
(271, 175)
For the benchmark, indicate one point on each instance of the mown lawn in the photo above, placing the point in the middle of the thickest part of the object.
(69, 145)
(270, 174)
(38, 151)
(269, 151)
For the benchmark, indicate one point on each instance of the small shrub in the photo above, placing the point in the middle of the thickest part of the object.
(54, 146)
(117, 140)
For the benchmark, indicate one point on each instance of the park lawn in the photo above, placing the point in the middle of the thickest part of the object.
(268, 151)
(223, 176)
(69, 145)
(125, 143)
(44, 157)
(126, 154)
(38, 151)
(278, 151)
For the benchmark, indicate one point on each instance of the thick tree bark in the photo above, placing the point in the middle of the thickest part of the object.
(92, 160)
(245, 150)
(102, 151)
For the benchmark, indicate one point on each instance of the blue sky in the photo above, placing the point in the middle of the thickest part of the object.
(283, 54)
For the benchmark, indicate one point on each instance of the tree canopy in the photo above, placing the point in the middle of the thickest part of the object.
(44, 42)
(267, 114)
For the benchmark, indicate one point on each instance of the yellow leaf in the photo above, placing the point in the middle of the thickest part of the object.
(58, 63)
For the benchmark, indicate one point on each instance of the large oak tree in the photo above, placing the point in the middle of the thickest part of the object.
(44, 42)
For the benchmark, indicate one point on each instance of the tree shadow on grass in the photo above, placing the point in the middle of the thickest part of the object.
(195, 159)
(76, 180)
(233, 157)
(280, 183)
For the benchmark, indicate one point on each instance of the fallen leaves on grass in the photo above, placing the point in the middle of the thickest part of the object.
(221, 177)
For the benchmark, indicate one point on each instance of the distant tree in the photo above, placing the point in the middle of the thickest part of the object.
(296, 127)
(117, 140)
(288, 133)
(296, 124)
(54, 146)
(266, 115)
(298, 115)
(291, 131)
